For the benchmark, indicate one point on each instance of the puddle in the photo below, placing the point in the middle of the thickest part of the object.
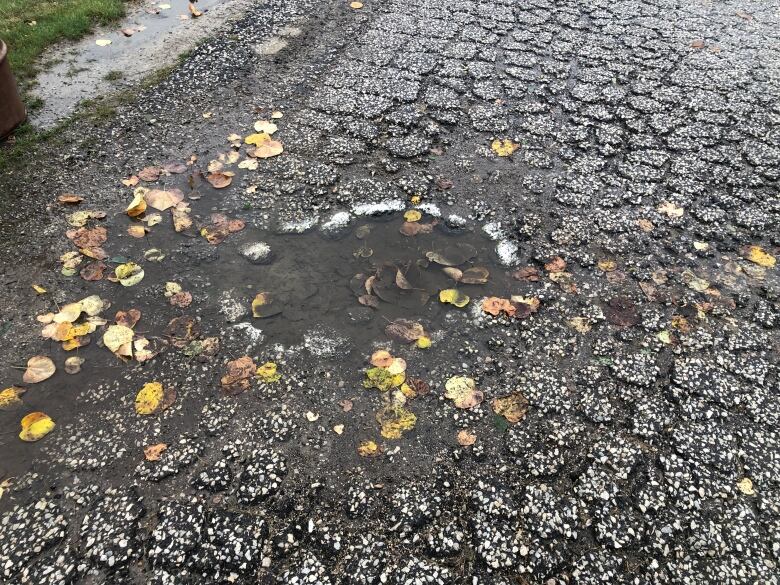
(84, 70)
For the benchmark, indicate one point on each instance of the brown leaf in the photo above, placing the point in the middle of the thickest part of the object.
(154, 452)
(512, 407)
(182, 330)
(93, 271)
(70, 199)
(162, 200)
(149, 174)
(466, 438)
(475, 275)
(412, 228)
(621, 311)
(87, 237)
(239, 375)
(530, 273)
(495, 306)
(346, 405)
(182, 299)
(557, 264)
(697, 44)
(194, 11)
(401, 282)
(174, 167)
(369, 301)
(39, 368)
(128, 318)
(405, 330)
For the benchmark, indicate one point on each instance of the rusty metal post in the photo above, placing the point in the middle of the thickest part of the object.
(12, 110)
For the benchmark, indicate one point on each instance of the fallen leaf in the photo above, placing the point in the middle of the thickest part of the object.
(411, 229)
(645, 225)
(39, 368)
(475, 275)
(239, 375)
(93, 271)
(220, 180)
(382, 379)
(381, 358)
(149, 174)
(495, 306)
(530, 273)
(128, 318)
(268, 373)
(670, 209)
(412, 215)
(466, 438)
(356, 5)
(606, 265)
(697, 44)
(138, 204)
(181, 330)
(39, 289)
(73, 364)
(557, 264)
(621, 311)
(265, 127)
(130, 181)
(463, 392)
(103, 42)
(424, 342)
(454, 273)
(368, 449)
(745, 485)
(35, 426)
(311, 416)
(405, 330)
(758, 255)
(264, 305)
(153, 398)
(161, 200)
(136, 231)
(346, 405)
(504, 147)
(394, 420)
(512, 407)
(87, 238)
(181, 217)
(579, 324)
(154, 452)
(338, 429)
(694, 282)
(454, 297)
(70, 199)
(11, 397)
(257, 139)
(194, 11)
(129, 274)
(118, 339)
(454, 255)
(276, 114)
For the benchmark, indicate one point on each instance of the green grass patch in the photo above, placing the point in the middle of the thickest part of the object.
(54, 21)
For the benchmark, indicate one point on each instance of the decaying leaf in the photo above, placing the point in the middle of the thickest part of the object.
(35, 426)
(409, 228)
(220, 180)
(138, 204)
(149, 174)
(11, 397)
(405, 330)
(694, 282)
(466, 438)
(39, 368)
(504, 147)
(495, 306)
(73, 364)
(579, 324)
(557, 264)
(463, 392)
(368, 449)
(267, 149)
(88, 237)
(181, 330)
(239, 375)
(118, 339)
(475, 275)
(154, 452)
(621, 311)
(382, 379)
(381, 358)
(394, 420)
(607, 265)
(129, 274)
(758, 255)
(512, 407)
(268, 373)
(745, 485)
(70, 199)
(454, 297)
(530, 273)
(153, 398)
(93, 271)
(670, 209)
(128, 318)
(454, 255)
(264, 305)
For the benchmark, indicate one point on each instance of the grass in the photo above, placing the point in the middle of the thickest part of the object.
(54, 21)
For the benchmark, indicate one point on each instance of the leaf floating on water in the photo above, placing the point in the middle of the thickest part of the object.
(129, 274)
(503, 147)
(39, 368)
(162, 200)
(454, 297)
(11, 397)
(73, 364)
(454, 273)
(758, 255)
(35, 426)
(410, 229)
(475, 275)
(405, 330)
(412, 215)
(454, 255)
(513, 407)
(182, 330)
(401, 282)
(220, 180)
(239, 375)
(153, 398)
(463, 392)
(368, 449)
(138, 204)
(181, 217)
(394, 420)
(264, 306)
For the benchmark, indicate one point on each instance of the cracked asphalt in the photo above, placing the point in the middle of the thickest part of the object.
(648, 161)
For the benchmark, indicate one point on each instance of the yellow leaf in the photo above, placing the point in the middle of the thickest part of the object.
(607, 265)
(35, 426)
(412, 215)
(368, 449)
(39, 289)
(154, 452)
(504, 147)
(579, 324)
(356, 5)
(265, 127)
(424, 342)
(149, 398)
(758, 255)
(745, 485)
(394, 420)
(268, 372)
(39, 368)
(463, 392)
(512, 407)
(117, 336)
(454, 296)
(138, 204)
(11, 397)
(129, 274)
(257, 139)
(379, 378)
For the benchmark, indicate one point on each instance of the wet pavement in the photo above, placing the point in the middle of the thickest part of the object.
(600, 406)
